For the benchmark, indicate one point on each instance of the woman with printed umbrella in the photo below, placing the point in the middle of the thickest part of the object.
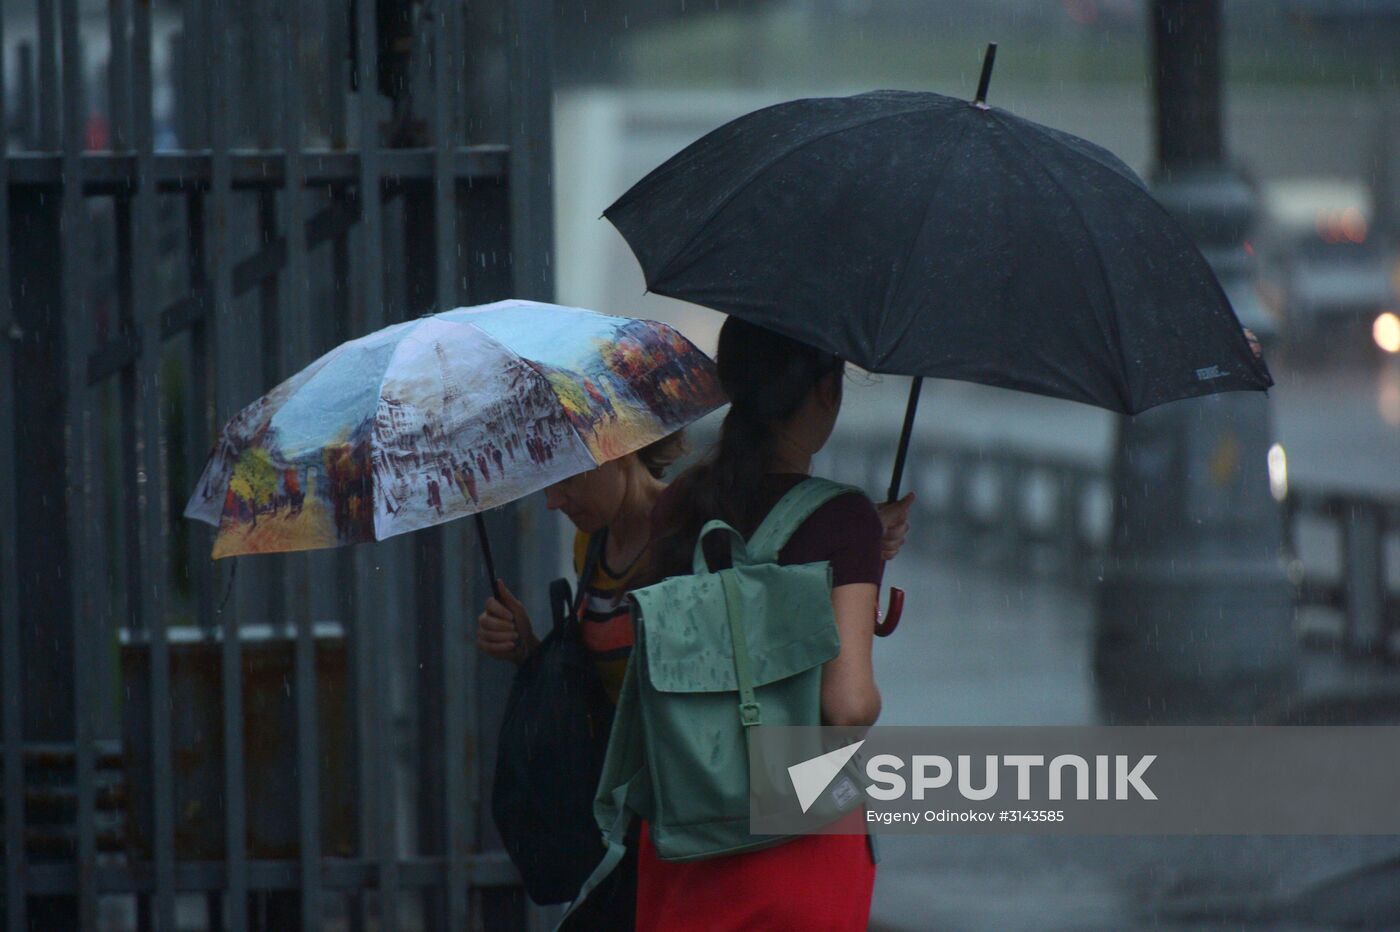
(449, 415)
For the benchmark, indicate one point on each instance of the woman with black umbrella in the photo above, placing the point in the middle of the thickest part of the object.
(785, 396)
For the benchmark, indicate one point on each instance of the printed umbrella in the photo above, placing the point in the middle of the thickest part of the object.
(444, 416)
(923, 235)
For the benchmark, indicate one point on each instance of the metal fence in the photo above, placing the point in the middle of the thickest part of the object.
(1021, 511)
(233, 190)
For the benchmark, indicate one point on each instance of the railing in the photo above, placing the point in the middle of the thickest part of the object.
(1362, 533)
(1024, 512)
(999, 507)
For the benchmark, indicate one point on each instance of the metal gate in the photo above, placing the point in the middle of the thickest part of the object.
(197, 199)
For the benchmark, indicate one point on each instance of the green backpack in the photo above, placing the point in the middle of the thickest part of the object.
(714, 654)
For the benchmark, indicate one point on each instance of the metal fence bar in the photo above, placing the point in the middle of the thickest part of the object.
(153, 576)
(197, 426)
(335, 38)
(460, 830)
(295, 317)
(226, 338)
(12, 716)
(457, 680)
(77, 458)
(375, 723)
(529, 31)
(348, 567)
(48, 77)
(118, 76)
(266, 576)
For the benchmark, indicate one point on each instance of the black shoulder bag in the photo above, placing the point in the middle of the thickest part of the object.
(550, 753)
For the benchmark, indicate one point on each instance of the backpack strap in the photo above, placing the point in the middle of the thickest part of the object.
(787, 516)
(738, 549)
(743, 669)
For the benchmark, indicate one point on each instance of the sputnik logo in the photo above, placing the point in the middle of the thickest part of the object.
(811, 777)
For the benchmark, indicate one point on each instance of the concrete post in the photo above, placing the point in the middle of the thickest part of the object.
(1195, 610)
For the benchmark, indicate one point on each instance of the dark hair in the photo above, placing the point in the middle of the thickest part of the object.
(767, 376)
(658, 456)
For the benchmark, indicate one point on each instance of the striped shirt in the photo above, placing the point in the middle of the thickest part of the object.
(607, 622)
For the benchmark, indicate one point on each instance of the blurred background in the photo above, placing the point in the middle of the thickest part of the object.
(1228, 559)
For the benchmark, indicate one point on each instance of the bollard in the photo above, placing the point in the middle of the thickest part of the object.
(1195, 611)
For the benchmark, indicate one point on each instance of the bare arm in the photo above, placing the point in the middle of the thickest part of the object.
(849, 694)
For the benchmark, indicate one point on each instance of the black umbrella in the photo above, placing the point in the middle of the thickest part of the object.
(923, 235)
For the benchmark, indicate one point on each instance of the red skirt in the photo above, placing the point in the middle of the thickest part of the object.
(813, 882)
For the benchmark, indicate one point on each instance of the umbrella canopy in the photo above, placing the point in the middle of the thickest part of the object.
(444, 416)
(923, 235)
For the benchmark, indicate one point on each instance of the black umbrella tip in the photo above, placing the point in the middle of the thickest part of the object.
(989, 59)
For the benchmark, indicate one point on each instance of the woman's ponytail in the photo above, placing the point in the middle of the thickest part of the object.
(767, 376)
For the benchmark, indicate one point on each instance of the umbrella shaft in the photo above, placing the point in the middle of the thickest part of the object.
(485, 542)
(910, 409)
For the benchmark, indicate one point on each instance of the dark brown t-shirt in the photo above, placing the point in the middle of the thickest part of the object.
(845, 531)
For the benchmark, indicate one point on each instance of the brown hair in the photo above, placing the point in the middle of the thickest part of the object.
(767, 376)
(658, 457)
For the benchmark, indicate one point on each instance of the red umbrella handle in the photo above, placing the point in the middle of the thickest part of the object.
(885, 627)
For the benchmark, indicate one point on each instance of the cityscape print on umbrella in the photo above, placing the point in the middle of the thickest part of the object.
(442, 417)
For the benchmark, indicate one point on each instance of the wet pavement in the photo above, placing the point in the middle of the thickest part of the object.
(981, 648)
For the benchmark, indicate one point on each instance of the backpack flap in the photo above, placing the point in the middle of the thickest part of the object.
(786, 614)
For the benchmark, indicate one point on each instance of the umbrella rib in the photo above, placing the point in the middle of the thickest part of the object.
(1115, 346)
(1115, 164)
(898, 284)
(754, 176)
(533, 368)
(374, 429)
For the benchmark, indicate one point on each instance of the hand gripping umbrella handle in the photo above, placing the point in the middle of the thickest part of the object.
(484, 540)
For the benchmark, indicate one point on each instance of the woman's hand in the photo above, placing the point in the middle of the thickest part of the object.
(504, 630)
(895, 518)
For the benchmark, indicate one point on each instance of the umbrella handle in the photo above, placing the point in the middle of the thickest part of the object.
(485, 541)
(884, 627)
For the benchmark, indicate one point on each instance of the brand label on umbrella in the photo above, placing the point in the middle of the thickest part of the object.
(1209, 372)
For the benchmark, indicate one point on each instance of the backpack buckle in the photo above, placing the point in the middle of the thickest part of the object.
(749, 714)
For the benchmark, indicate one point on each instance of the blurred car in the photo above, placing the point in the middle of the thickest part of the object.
(1325, 271)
